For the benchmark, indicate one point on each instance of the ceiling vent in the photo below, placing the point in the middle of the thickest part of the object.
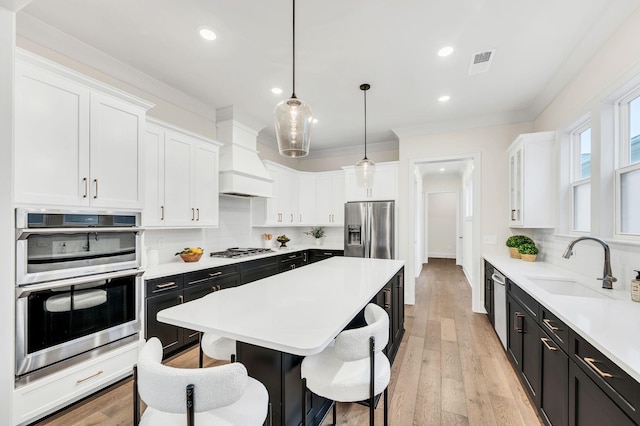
(481, 61)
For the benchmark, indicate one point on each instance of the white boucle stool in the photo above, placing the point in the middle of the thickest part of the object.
(352, 367)
(223, 395)
(216, 347)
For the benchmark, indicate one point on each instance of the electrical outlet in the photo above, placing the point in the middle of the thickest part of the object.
(491, 239)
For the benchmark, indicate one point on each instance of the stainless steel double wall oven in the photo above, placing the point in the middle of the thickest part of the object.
(78, 282)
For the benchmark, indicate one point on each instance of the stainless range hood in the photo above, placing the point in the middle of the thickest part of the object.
(241, 170)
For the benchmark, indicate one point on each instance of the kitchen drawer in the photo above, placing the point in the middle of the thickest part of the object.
(555, 328)
(621, 388)
(527, 302)
(53, 392)
(164, 284)
(257, 269)
(198, 277)
(316, 255)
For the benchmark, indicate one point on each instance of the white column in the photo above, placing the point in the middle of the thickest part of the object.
(7, 275)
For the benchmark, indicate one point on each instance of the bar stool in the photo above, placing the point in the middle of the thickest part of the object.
(352, 367)
(216, 347)
(205, 396)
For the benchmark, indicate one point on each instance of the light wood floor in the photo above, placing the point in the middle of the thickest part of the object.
(450, 370)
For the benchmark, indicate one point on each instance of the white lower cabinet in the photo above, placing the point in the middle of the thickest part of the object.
(384, 183)
(181, 176)
(77, 142)
(44, 396)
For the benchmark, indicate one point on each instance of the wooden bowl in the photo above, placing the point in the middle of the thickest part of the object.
(190, 257)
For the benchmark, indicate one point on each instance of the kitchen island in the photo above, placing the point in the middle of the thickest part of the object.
(279, 319)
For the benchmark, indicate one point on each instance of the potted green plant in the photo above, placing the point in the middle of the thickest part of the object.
(317, 232)
(514, 241)
(528, 252)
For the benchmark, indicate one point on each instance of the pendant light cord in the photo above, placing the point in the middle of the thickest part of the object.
(365, 124)
(293, 94)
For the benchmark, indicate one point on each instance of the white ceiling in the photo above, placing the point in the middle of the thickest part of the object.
(392, 45)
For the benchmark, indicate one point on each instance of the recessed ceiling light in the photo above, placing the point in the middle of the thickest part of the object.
(445, 51)
(442, 169)
(207, 33)
(315, 120)
(276, 91)
(444, 98)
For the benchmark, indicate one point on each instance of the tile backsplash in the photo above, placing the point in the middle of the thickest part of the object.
(234, 231)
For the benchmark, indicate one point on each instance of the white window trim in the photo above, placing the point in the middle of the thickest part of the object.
(575, 150)
(574, 172)
(623, 145)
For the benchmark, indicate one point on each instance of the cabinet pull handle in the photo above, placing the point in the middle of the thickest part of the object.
(193, 213)
(292, 267)
(219, 287)
(215, 274)
(198, 211)
(291, 217)
(515, 322)
(304, 256)
(547, 322)
(293, 256)
(181, 298)
(86, 187)
(591, 362)
(300, 217)
(96, 194)
(546, 343)
(165, 285)
(89, 377)
(513, 213)
(387, 298)
(161, 212)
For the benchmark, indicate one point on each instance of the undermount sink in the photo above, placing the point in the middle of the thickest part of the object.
(565, 287)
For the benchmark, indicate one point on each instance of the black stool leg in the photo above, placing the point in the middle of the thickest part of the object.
(335, 416)
(304, 402)
(233, 358)
(201, 355)
(190, 408)
(386, 406)
(372, 355)
(136, 397)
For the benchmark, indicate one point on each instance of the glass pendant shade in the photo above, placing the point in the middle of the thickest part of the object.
(365, 170)
(293, 119)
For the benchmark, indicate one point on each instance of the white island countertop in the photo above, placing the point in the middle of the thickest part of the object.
(298, 311)
(609, 323)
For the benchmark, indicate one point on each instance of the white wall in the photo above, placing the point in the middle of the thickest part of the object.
(442, 218)
(593, 92)
(7, 269)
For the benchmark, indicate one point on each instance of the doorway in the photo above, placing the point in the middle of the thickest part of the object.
(458, 176)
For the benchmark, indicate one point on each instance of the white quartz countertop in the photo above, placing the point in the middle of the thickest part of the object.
(298, 311)
(178, 266)
(609, 323)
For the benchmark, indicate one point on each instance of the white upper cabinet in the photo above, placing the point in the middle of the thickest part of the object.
(181, 171)
(330, 198)
(77, 142)
(384, 183)
(531, 181)
(283, 208)
(306, 198)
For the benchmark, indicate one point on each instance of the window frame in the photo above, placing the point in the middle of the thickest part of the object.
(623, 158)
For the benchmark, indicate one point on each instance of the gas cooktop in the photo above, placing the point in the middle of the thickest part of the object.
(240, 252)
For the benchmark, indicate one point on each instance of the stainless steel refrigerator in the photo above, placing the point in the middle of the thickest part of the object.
(368, 230)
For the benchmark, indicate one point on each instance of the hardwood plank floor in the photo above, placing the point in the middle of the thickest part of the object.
(450, 369)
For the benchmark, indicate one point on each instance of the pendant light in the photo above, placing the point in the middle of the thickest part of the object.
(293, 117)
(365, 168)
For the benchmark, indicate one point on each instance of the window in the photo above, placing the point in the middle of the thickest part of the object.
(581, 178)
(628, 171)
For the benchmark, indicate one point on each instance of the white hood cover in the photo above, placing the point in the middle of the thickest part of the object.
(241, 170)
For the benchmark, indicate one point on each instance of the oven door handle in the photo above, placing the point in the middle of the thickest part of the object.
(23, 233)
(26, 290)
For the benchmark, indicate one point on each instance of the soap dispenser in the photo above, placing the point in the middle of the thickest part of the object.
(635, 288)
